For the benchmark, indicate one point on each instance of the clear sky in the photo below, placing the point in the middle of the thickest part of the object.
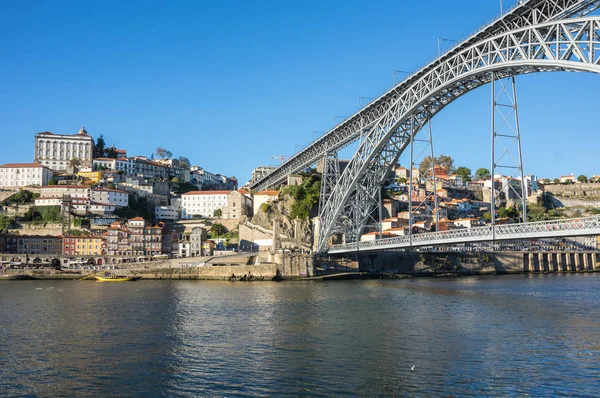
(229, 84)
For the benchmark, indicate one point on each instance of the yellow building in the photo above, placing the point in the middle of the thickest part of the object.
(84, 245)
(94, 176)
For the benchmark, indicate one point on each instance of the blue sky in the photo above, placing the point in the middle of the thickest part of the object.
(231, 83)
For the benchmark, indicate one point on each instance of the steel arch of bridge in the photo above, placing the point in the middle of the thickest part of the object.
(565, 45)
(525, 14)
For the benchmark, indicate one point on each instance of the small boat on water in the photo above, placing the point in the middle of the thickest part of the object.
(117, 278)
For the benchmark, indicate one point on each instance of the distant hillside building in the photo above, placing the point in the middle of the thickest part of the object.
(18, 175)
(55, 151)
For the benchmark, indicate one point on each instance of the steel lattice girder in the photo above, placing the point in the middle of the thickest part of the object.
(534, 230)
(529, 13)
(571, 45)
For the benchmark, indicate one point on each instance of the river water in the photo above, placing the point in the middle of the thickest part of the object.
(475, 336)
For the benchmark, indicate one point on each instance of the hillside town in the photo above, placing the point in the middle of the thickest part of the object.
(91, 203)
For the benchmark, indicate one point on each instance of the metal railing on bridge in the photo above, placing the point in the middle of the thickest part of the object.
(541, 229)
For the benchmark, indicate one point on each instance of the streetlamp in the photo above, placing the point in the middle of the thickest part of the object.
(335, 117)
(396, 71)
(317, 133)
(440, 40)
(359, 98)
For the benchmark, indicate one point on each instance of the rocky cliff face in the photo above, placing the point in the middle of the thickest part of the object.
(279, 212)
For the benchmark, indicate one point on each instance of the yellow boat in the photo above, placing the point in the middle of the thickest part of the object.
(117, 278)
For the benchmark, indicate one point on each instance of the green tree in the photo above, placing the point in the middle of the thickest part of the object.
(111, 153)
(556, 181)
(582, 178)
(568, 181)
(100, 147)
(482, 173)
(218, 213)
(5, 223)
(176, 180)
(23, 196)
(502, 212)
(464, 172)
(53, 181)
(402, 180)
(217, 230)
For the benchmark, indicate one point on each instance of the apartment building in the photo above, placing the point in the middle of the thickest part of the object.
(18, 175)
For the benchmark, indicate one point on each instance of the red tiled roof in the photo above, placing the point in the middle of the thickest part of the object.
(108, 190)
(21, 165)
(136, 219)
(267, 193)
(66, 187)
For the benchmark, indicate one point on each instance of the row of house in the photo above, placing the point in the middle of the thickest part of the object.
(134, 238)
(84, 199)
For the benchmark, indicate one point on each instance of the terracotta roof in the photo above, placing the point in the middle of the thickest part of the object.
(120, 151)
(108, 190)
(21, 165)
(66, 187)
(111, 159)
(384, 233)
(267, 193)
(136, 219)
(390, 219)
(206, 193)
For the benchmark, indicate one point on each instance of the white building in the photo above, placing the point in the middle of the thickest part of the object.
(16, 175)
(202, 203)
(264, 197)
(172, 212)
(55, 151)
(110, 196)
(58, 191)
(121, 164)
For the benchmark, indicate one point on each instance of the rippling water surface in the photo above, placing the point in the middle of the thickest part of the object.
(495, 336)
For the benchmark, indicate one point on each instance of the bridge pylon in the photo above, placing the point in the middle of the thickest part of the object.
(507, 156)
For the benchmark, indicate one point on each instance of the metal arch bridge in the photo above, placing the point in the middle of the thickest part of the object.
(536, 36)
(535, 230)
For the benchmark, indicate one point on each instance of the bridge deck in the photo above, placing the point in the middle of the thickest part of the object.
(535, 230)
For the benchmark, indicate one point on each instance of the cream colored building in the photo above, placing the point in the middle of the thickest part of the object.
(264, 197)
(18, 175)
(55, 151)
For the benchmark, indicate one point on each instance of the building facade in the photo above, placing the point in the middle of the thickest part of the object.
(84, 245)
(55, 151)
(32, 245)
(18, 175)
(202, 203)
(136, 238)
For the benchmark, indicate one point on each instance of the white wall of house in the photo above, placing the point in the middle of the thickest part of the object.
(18, 175)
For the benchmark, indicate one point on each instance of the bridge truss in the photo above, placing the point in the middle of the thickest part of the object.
(534, 230)
(533, 37)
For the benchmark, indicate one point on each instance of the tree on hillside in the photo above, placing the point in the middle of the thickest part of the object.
(163, 153)
(464, 172)
(582, 178)
(100, 147)
(482, 173)
(184, 162)
(556, 181)
(111, 152)
(217, 230)
(218, 213)
(445, 161)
